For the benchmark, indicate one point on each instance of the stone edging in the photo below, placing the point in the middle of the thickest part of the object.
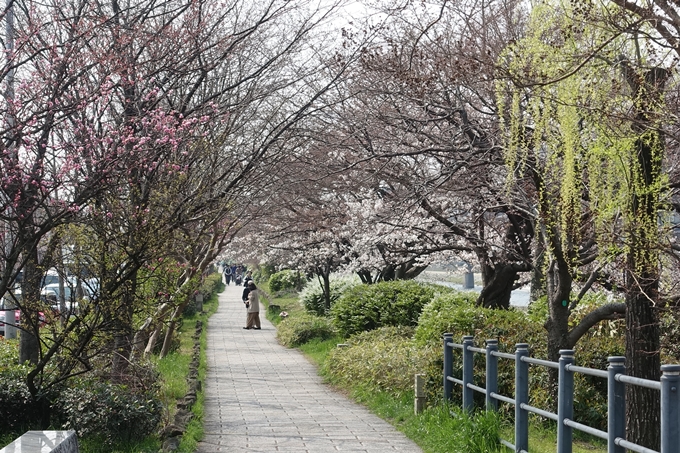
(172, 433)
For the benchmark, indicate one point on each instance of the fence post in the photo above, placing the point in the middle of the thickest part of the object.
(616, 404)
(448, 366)
(468, 373)
(521, 397)
(670, 406)
(565, 401)
(491, 375)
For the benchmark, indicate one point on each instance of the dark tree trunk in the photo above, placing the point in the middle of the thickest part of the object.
(29, 342)
(642, 360)
(557, 324)
(498, 283)
(642, 295)
(642, 273)
(122, 342)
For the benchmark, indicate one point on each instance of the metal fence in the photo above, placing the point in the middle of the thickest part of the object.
(616, 377)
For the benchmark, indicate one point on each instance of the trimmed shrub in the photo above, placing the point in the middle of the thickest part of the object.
(383, 359)
(19, 411)
(109, 412)
(283, 280)
(263, 272)
(457, 314)
(302, 328)
(312, 298)
(438, 316)
(367, 307)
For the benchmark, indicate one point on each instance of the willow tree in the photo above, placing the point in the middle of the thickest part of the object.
(582, 125)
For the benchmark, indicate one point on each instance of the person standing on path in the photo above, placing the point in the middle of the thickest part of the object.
(253, 306)
(227, 274)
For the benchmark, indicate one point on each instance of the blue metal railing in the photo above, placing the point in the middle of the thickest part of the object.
(616, 377)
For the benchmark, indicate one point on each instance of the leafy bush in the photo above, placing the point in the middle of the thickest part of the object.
(312, 297)
(19, 411)
(438, 316)
(367, 307)
(382, 359)
(285, 279)
(302, 328)
(110, 412)
(457, 314)
(453, 314)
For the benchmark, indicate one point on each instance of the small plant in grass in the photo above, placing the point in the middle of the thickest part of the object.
(302, 328)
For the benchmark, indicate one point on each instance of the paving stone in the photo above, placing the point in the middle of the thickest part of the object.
(263, 397)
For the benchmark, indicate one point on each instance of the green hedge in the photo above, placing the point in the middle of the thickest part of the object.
(367, 307)
(385, 359)
(108, 412)
(283, 280)
(302, 328)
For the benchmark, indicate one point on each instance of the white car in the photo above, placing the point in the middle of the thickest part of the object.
(51, 294)
(4, 312)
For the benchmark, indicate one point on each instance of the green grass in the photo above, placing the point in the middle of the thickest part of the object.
(435, 430)
(542, 439)
(194, 431)
(288, 302)
(317, 350)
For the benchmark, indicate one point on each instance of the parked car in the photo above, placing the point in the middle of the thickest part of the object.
(7, 313)
(51, 293)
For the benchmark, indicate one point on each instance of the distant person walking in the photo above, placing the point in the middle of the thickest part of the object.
(248, 278)
(227, 274)
(253, 305)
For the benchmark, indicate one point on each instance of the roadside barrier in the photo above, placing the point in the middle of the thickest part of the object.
(616, 377)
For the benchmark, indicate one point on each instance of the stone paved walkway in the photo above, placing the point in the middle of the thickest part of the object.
(262, 397)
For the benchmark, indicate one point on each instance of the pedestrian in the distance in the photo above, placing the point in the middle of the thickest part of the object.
(253, 305)
(227, 274)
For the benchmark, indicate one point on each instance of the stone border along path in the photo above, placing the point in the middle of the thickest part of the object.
(263, 397)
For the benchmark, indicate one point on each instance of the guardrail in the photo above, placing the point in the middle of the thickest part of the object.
(616, 377)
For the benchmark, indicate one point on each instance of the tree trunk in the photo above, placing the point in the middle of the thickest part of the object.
(557, 324)
(29, 342)
(642, 295)
(641, 231)
(642, 360)
(498, 285)
(326, 281)
(122, 342)
(170, 333)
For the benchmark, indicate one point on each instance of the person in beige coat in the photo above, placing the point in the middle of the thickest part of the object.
(253, 306)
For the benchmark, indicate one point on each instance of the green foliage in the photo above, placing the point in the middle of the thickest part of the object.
(312, 297)
(302, 328)
(283, 280)
(367, 307)
(263, 272)
(19, 411)
(670, 331)
(9, 353)
(456, 313)
(112, 413)
(384, 359)
(211, 283)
